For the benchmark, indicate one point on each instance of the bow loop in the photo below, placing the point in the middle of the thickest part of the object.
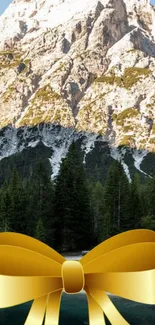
(124, 239)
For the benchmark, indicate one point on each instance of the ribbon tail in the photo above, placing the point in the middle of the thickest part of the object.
(53, 308)
(110, 310)
(96, 315)
(37, 311)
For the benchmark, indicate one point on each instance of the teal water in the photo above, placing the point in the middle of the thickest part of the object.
(74, 311)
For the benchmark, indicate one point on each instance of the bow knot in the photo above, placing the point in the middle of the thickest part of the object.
(123, 265)
(72, 276)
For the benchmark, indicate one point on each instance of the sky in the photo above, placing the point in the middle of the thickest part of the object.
(4, 4)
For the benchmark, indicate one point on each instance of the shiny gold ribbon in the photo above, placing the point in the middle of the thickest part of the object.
(123, 265)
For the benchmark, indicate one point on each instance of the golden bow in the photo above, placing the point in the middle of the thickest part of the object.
(123, 265)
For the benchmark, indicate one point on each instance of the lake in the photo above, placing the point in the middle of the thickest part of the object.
(74, 310)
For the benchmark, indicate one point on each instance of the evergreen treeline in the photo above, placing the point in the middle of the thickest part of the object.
(73, 212)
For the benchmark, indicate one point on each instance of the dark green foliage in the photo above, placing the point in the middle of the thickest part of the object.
(24, 162)
(18, 204)
(117, 198)
(41, 199)
(150, 197)
(97, 207)
(148, 164)
(6, 211)
(73, 220)
(98, 161)
(148, 222)
(40, 232)
(80, 208)
(136, 207)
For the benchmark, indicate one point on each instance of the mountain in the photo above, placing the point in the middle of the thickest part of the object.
(83, 71)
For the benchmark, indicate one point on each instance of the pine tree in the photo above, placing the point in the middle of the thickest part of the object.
(41, 194)
(116, 198)
(73, 221)
(40, 232)
(19, 204)
(148, 223)
(5, 211)
(150, 197)
(135, 203)
(97, 208)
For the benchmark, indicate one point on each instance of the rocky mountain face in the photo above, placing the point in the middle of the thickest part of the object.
(87, 66)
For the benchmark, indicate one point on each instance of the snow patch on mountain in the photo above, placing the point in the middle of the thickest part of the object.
(138, 159)
(60, 149)
(118, 154)
(88, 144)
(8, 143)
(59, 139)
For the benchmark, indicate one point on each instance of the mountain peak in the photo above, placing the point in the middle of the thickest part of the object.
(87, 64)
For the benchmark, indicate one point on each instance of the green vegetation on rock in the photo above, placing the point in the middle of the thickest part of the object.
(125, 114)
(132, 51)
(127, 128)
(112, 79)
(12, 59)
(93, 116)
(45, 107)
(153, 128)
(126, 140)
(152, 140)
(8, 94)
(133, 75)
(46, 94)
(130, 77)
